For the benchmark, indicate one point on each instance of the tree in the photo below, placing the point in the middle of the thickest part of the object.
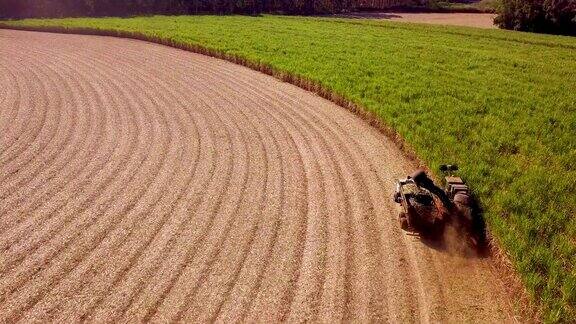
(544, 16)
(12, 8)
(561, 14)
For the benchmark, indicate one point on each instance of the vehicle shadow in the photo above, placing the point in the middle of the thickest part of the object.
(469, 243)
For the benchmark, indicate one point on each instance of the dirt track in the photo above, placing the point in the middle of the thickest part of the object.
(479, 20)
(142, 182)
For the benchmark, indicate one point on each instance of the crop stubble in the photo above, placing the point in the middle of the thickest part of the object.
(142, 182)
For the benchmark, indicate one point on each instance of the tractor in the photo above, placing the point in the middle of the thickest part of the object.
(458, 193)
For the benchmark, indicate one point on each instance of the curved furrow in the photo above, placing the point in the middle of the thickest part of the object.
(310, 298)
(10, 106)
(56, 153)
(254, 276)
(8, 220)
(44, 175)
(57, 203)
(374, 244)
(37, 151)
(223, 185)
(153, 292)
(53, 272)
(306, 126)
(350, 162)
(138, 239)
(161, 241)
(360, 178)
(338, 209)
(222, 211)
(237, 241)
(292, 136)
(294, 206)
(76, 178)
(130, 288)
(58, 291)
(250, 212)
(30, 124)
(408, 292)
(5, 250)
(28, 266)
(357, 298)
(226, 208)
(68, 165)
(403, 289)
(134, 206)
(131, 314)
(306, 289)
(254, 228)
(283, 294)
(263, 236)
(19, 126)
(58, 192)
(43, 185)
(371, 148)
(379, 188)
(204, 210)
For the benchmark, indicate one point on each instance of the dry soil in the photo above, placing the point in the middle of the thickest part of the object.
(480, 20)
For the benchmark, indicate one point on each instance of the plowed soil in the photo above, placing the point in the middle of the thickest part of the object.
(143, 182)
(479, 20)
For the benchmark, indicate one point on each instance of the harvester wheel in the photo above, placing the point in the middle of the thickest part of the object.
(403, 221)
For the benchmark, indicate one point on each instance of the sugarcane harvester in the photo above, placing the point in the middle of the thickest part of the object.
(427, 208)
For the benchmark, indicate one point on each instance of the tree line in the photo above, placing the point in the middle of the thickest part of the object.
(96, 8)
(547, 16)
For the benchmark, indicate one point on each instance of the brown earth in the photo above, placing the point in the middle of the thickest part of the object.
(141, 182)
(480, 20)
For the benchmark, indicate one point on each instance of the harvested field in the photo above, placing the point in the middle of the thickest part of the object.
(142, 182)
(480, 20)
